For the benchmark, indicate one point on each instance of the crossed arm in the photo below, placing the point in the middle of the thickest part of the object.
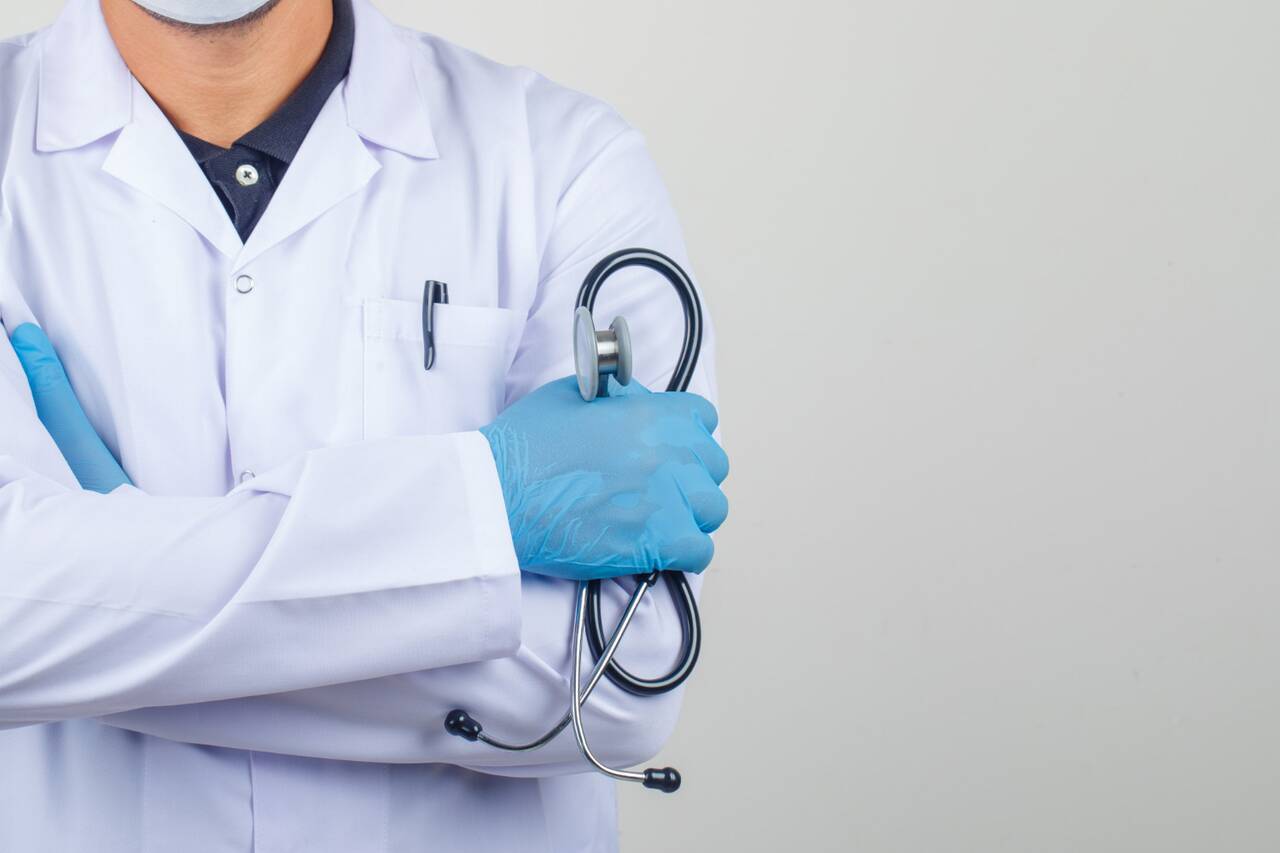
(223, 668)
(237, 621)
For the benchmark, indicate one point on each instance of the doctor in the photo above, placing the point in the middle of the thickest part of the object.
(221, 214)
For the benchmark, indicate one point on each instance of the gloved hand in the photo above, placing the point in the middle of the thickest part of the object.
(621, 485)
(60, 412)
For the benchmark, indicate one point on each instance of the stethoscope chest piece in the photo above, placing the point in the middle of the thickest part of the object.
(597, 355)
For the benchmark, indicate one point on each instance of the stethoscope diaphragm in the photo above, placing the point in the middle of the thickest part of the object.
(597, 355)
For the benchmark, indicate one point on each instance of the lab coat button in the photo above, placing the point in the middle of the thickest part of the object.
(244, 283)
(246, 475)
(246, 175)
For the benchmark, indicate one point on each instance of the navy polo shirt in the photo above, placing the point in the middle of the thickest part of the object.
(245, 176)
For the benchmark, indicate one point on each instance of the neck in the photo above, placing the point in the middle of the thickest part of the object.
(219, 82)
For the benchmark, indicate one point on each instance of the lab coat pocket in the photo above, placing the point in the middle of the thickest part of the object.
(464, 388)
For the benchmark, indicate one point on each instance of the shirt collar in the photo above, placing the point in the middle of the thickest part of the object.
(281, 135)
(86, 90)
(201, 150)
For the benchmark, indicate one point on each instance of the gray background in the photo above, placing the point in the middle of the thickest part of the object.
(997, 307)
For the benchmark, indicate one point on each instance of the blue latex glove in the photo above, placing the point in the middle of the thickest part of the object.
(60, 412)
(618, 486)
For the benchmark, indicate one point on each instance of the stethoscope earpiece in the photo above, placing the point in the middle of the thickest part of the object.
(664, 779)
(461, 724)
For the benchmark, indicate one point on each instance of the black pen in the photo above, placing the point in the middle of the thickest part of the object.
(433, 293)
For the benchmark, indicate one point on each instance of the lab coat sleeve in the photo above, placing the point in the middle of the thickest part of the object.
(343, 564)
(614, 200)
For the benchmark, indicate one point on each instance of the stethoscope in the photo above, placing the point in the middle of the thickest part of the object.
(597, 355)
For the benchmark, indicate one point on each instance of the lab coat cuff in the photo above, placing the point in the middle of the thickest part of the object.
(491, 532)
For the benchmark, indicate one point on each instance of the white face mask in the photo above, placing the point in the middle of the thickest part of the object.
(203, 11)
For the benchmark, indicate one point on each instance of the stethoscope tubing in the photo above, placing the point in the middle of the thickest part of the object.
(597, 672)
(681, 377)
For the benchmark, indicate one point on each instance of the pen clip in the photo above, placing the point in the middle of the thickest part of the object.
(433, 293)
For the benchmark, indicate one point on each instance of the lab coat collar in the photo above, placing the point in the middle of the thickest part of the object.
(87, 92)
(384, 99)
(149, 156)
(332, 164)
(85, 87)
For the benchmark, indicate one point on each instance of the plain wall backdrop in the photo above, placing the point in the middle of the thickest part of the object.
(996, 290)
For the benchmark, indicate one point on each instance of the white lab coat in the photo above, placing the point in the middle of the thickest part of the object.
(254, 649)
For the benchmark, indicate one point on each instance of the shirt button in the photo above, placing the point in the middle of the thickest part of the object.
(246, 175)
(246, 475)
(244, 283)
